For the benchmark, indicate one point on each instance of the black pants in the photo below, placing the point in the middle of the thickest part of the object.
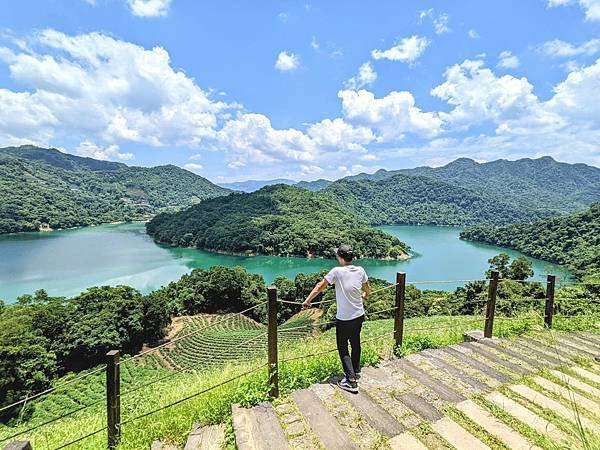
(349, 331)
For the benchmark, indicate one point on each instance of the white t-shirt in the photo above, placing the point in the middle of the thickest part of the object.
(348, 282)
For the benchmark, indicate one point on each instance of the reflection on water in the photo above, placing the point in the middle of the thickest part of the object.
(67, 262)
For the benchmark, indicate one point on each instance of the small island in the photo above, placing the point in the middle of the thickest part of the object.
(277, 220)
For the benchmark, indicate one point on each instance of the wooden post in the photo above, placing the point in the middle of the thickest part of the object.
(549, 310)
(272, 342)
(113, 398)
(399, 311)
(491, 306)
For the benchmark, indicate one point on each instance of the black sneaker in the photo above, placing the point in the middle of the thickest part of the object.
(357, 375)
(347, 385)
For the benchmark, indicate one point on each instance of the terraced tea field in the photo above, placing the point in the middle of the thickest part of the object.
(208, 341)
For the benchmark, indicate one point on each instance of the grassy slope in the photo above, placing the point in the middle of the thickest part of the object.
(174, 423)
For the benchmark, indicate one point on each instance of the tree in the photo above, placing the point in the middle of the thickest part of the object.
(520, 269)
(499, 263)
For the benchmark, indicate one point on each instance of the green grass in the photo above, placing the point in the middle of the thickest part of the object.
(173, 424)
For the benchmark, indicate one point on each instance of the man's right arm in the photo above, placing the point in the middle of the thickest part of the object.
(319, 287)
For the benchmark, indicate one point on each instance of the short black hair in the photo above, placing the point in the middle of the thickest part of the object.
(345, 252)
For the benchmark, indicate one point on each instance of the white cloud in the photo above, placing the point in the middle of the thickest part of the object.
(193, 167)
(406, 50)
(561, 49)
(337, 134)
(440, 21)
(100, 88)
(590, 7)
(366, 76)
(314, 44)
(287, 61)
(507, 60)
(196, 156)
(149, 8)
(283, 16)
(478, 95)
(111, 152)
(473, 34)
(391, 116)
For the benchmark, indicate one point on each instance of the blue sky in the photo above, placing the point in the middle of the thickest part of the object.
(302, 89)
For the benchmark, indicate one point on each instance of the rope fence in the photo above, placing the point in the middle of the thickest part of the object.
(267, 342)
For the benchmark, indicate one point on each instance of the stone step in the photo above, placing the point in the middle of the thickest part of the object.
(573, 346)
(591, 376)
(406, 441)
(542, 352)
(524, 415)
(569, 395)
(548, 403)
(482, 350)
(574, 382)
(420, 406)
(321, 422)
(457, 435)
(532, 362)
(552, 348)
(258, 428)
(592, 347)
(443, 391)
(505, 434)
(374, 414)
(209, 437)
(475, 384)
(476, 364)
(156, 445)
(593, 338)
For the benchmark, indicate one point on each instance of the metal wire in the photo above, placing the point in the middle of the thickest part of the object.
(301, 303)
(162, 408)
(52, 389)
(81, 438)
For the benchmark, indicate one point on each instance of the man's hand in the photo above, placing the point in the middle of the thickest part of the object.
(306, 304)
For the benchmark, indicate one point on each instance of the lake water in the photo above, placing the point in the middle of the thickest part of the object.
(67, 262)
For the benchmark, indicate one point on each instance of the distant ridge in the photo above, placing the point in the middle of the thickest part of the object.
(254, 185)
(46, 188)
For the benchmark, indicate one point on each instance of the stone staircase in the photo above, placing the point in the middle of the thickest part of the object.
(514, 393)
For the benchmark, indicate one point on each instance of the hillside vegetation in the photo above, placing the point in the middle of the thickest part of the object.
(573, 239)
(276, 220)
(421, 200)
(538, 187)
(45, 186)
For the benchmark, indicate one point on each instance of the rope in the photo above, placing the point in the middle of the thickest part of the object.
(447, 281)
(141, 416)
(52, 389)
(81, 438)
(301, 303)
(153, 349)
(383, 288)
(407, 330)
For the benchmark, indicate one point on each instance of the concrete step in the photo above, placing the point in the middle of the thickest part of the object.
(569, 395)
(484, 351)
(574, 382)
(586, 374)
(570, 344)
(505, 434)
(374, 414)
(543, 353)
(548, 403)
(475, 384)
(524, 415)
(321, 422)
(443, 391)
(208, 437)
(258, 428)
(503, 348)
(406, 441)
(469, 360)
(457, 435)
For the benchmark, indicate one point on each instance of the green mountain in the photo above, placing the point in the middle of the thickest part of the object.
(314, 186)
(421, 200)
(276, 220)
(542, 186)
(573, 239)
(254, 185)
(45, 186)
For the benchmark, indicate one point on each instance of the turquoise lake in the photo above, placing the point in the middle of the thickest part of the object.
(69, 261)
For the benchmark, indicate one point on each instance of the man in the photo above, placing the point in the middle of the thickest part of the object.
(351, 287)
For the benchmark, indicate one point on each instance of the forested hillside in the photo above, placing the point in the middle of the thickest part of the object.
(422, 200)
(276, 220)
(45, 186)
(540, 187)
(573, 240)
